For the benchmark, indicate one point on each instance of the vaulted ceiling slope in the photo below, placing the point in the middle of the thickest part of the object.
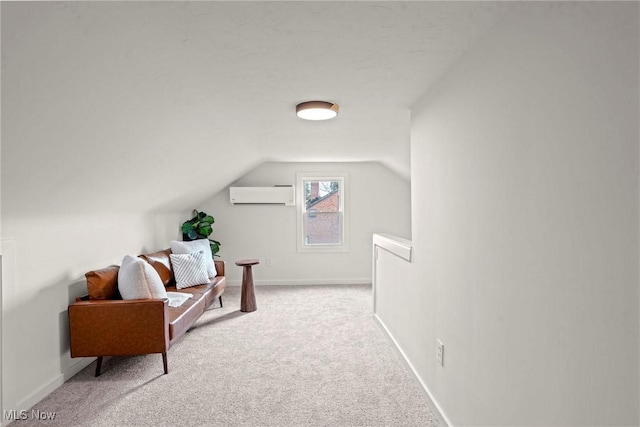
(144, 105)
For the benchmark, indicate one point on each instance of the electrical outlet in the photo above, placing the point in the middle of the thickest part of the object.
(440, 352)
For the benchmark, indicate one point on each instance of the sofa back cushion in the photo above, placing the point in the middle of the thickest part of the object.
(161, 262)
(103, 284)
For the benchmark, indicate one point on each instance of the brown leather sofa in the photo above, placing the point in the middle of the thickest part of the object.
(103, 324)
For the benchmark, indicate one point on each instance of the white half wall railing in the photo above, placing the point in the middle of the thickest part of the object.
(391, 261)
(395, 303)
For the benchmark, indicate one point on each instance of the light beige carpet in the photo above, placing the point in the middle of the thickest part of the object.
(309, 356)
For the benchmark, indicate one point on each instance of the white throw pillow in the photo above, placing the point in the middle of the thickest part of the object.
(137, 279)
(178, 247)
(189, 269)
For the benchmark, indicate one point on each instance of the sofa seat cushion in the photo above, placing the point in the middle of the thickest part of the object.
(181, 318)
(197, 293)
(214, 289)
(210, 290)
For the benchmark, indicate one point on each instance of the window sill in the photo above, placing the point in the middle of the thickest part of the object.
(323, 249)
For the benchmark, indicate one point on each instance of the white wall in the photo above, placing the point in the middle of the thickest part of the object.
(378, 201)
(525, 222)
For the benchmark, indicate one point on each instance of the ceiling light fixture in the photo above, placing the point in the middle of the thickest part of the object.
(317, 110)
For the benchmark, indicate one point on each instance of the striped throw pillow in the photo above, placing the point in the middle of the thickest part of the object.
(178, 247)
(189, 269)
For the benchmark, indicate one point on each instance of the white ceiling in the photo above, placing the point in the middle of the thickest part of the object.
(158, 105)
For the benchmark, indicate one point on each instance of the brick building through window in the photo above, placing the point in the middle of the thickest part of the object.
(322, 218)
(322, 222)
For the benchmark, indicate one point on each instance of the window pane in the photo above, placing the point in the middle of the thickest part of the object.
(322, 216)
(323, 228)
(323, 196)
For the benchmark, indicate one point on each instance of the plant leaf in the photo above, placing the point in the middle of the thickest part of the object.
(208, 219)
(186, 227)
(205, 230)
(192, 234)
(215, 247)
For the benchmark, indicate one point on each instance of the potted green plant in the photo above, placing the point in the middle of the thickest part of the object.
(200, 227)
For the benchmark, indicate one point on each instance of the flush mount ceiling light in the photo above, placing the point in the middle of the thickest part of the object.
(317, 110)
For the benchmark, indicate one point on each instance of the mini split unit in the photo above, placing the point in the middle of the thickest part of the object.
(283, 195)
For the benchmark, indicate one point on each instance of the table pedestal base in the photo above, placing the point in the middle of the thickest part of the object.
(248, 297)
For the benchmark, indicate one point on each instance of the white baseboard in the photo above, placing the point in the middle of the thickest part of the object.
(48, 388)
(292, 282)
(406, 360)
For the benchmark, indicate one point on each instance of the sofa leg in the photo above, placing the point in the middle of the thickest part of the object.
(220, 298)
(164, 362)
(98, 366)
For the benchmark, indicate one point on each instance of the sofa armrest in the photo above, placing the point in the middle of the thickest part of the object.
(219, 267)
(118, 327)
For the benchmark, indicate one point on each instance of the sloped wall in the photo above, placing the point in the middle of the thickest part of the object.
(525, 222)
(64, 210)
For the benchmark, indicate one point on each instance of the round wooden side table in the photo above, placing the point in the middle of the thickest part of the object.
(248, 297)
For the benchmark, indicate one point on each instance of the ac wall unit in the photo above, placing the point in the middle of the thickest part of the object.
(277, 195)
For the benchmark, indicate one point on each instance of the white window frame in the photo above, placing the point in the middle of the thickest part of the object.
(341, 177)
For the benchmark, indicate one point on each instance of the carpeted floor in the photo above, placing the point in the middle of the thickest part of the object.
(309, 356)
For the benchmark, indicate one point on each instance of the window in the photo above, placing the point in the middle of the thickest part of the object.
(321, 213)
